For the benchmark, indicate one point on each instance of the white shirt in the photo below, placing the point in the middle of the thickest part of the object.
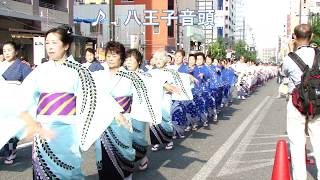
(291, 69)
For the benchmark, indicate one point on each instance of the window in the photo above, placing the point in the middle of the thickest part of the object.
(226, 17)
(98, 29)
(170, 5)
(227, 8)
(127, 0)
(171, 29)
(156, 29)
(77, 28)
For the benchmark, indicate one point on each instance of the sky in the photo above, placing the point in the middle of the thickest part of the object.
(266, 18)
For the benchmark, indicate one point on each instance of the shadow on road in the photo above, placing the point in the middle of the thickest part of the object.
(22, 162)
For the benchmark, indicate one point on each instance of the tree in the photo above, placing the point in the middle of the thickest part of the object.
(251, 56)
(315, 24)
(240, 49)
(218, 49)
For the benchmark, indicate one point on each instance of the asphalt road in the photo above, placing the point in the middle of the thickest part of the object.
(240, 147)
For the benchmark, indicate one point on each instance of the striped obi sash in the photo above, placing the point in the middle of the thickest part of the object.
(57, 104)
(125, 102)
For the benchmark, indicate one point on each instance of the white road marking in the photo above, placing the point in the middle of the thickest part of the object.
(267, 137)
(259, 144)
(212, 163)
(260, 151)
(230, 166)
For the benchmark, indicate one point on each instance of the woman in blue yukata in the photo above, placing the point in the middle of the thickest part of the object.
(65, 109)
(133, 62)
(202, 98)
(183, 111)
(115, 153)
(162, 133)
(12, 69)
(210, 95)
(91, 62)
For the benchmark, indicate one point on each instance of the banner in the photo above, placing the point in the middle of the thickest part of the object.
(38, 50)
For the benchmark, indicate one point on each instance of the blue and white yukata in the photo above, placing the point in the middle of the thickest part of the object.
(162, 133)
(140, 128)
(229, 77)
(13, 71)
(115, 151)
(181, 117)
(203, 99)
(69, 100)
(94, 66)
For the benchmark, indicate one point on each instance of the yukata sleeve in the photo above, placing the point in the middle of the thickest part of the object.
(96, 108)
(14, 100)
(26, 70)
(29, 94)
(184, 83)
(11, 124)
(147, 97)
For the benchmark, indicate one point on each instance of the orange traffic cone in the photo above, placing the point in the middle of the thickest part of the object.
(281, 169)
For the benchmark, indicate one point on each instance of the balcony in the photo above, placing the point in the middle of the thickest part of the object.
(24, 1)
(52, 6)
(17, 8)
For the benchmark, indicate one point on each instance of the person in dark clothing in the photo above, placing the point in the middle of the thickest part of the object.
(91, 62)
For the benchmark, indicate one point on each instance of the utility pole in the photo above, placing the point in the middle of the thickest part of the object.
(244, 30)
(178, 26)
(300, 10)
(112, 20)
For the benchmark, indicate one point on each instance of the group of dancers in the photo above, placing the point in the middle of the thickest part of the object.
(121, 106)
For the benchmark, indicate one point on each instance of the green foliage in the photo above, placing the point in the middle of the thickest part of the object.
(240, 49)
(218, 49)
(315, 23)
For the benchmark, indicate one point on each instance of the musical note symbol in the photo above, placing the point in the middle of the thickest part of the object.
(100, 17)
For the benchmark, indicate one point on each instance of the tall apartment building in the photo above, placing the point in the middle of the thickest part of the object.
(240, 24)
(268, 54)
(300, 10)
(21, 20)
(225, 20)
(230, 21)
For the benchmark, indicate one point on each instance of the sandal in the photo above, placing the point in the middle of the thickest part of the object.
(144, 165)
(155, 147)
(194, 128)
(169, 146)
(8, 161)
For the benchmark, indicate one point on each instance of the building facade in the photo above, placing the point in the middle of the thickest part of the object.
(268, 55)
(21, 20)
(151, 35)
